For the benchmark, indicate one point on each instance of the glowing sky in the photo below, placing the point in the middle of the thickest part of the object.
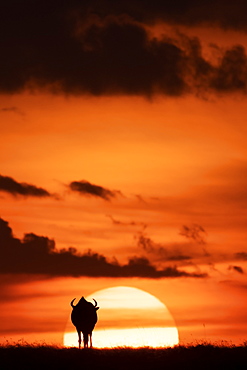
(123, 161)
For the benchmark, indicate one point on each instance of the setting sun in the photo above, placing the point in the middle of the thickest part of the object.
(129, 317)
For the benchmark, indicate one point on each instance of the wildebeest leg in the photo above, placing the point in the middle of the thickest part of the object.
(79, 337)
(90, 338)
(85, 340)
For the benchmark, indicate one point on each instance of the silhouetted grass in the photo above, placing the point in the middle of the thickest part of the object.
(197, 356)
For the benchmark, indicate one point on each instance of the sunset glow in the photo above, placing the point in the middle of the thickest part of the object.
(123, 163)
(141, 337)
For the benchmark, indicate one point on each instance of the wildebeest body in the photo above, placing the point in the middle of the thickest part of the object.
(84, 317)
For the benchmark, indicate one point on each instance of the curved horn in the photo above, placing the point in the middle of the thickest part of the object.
(95, 304)
(71, 303)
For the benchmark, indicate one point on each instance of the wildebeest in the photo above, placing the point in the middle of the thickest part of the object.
(84, 318)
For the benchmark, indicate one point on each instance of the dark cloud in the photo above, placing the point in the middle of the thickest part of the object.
(11, 186)
(179, 12)
(127, 223)
(236, 268)
(12, 110)
(140, 199)
(99, 48)
(241, 256)
(231, 72)
(87, 189)
(38, 255)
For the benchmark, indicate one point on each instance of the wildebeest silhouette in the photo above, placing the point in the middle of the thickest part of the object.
(84, 318)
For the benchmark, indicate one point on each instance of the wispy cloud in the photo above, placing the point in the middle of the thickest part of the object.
(127, 223)
(195, 232)
(12, 110)
(148, 245)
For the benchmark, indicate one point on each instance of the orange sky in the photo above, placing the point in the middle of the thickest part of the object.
(154, 178)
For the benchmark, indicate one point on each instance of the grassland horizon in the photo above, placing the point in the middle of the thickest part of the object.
(196, 355)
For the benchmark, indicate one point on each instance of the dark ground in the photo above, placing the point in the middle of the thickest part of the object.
(189, 357)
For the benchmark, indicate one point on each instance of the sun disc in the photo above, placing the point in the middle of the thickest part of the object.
(129, 317)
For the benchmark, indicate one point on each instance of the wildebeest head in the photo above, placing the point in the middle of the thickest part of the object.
(82, 302)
